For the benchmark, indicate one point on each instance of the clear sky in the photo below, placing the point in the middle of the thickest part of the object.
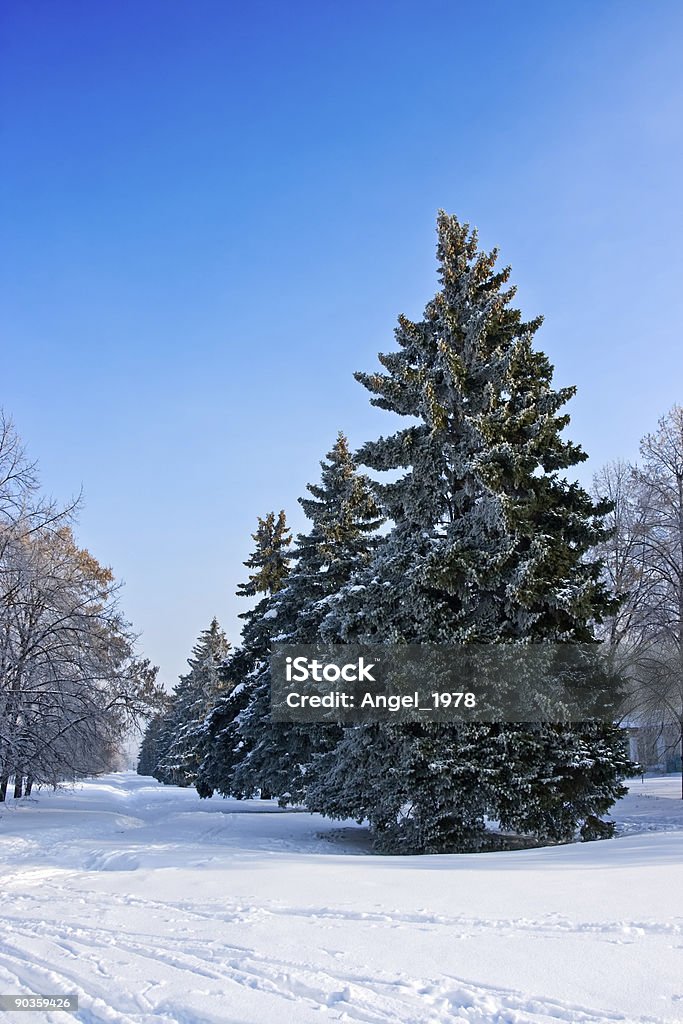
(212, 213)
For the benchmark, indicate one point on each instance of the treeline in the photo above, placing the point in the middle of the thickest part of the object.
(477, 535)
(71, 684)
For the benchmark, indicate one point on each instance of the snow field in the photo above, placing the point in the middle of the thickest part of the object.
(156, 907)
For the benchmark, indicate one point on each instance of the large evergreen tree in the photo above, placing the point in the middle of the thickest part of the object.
(344, 516)
(489, 544)
(223, 746)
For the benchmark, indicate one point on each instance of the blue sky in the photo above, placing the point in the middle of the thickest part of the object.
(213, 212)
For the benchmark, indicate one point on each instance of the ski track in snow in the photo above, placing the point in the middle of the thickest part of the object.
(371, 999)
(123, 892)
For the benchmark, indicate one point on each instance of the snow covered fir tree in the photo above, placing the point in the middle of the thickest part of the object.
(224, 746)
(150, 747)
(173, 745)
(490, 544)
(344, 517)
(487, 541)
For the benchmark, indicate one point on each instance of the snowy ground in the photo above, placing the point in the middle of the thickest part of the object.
(154, 906)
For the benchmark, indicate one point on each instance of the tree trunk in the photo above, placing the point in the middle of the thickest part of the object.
(18, 785)
(3, 788)
(29, 785)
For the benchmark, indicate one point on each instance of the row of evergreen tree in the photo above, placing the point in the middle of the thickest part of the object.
(478, 536)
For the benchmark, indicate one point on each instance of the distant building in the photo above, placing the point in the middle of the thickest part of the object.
(655, 747)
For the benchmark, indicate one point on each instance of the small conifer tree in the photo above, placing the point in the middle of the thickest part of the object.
(223, 746)
(344, 519)
(192, 699)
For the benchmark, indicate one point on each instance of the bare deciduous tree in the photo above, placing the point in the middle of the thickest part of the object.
(644, 565)
(70, 681)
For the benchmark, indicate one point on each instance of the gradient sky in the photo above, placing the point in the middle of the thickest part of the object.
(213, 212)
